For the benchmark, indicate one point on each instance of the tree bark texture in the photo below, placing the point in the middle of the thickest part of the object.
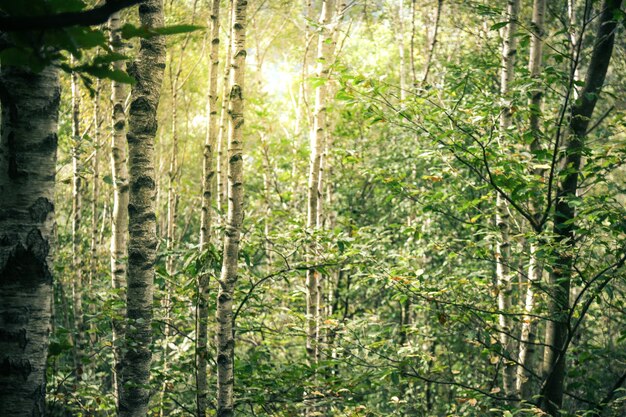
(557, 335)
(222, 138)
(503, 245)
(30, 105)
(228, 276)
(314, 192)
(119, 223)
(535, 269)
(77, 261)
(433, 40)
(95, 191)
(147, 69)
(208, 176)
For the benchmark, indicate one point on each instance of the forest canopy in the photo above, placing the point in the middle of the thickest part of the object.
(316, 208)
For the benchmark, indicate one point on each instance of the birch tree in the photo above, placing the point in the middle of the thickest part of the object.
(208, 174)
(147, 69)
(30, 104)
(535, 269)
(558, 336)
(119, 223)
(77, 262)
(314, 192)
(232, 234)
(503, 245)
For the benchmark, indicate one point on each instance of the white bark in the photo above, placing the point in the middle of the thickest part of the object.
(314, 192)
(535, 269)
(222, 145)
(30, 104)
(77, 261)
(503, 246)
(119, 224)
(208, 174)
(228, 276)
(147, 69)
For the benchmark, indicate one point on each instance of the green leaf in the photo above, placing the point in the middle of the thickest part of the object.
(499, 25)
(129, 31)
(108, 73)
(21, 57)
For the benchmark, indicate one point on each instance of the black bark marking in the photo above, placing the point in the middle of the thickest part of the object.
(21, 368)
(27, 265)
(40, 209)
(16, 336)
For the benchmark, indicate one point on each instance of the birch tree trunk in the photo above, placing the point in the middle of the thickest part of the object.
(400, 40)
(503, 245)
(222, 145)
(147, 69)
(314, 192)
(95, 191)
(77, 262)
(535, 269)
(228, 276)
(208, 174)
(30, 105)
(119, 223)
(433, 39)
(557, 334)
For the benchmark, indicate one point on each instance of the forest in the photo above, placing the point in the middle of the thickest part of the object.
(339, 208)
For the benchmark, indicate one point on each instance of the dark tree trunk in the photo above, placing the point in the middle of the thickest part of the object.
(30, 104)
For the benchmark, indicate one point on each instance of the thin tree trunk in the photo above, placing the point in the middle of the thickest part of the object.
(503, 245)
(228, 276)
(95, 191)
(77, 261)
(400, 40)
(267, 180)
(30, 105)
(172, 174)
(412, 46)
(119, 223)
(147, 70)
(557, 335)
(433, 39)
(208, 171)
(314, 192)
(222, 145)
(535, 269)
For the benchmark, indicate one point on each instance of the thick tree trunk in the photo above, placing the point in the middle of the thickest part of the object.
(208, 174)
(228, 276)
(503, 245)
(30, 104)
(535, 269)
(147, 70)
(119, 224)
(557, 336)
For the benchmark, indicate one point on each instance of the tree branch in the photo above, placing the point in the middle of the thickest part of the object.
(91, 17)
